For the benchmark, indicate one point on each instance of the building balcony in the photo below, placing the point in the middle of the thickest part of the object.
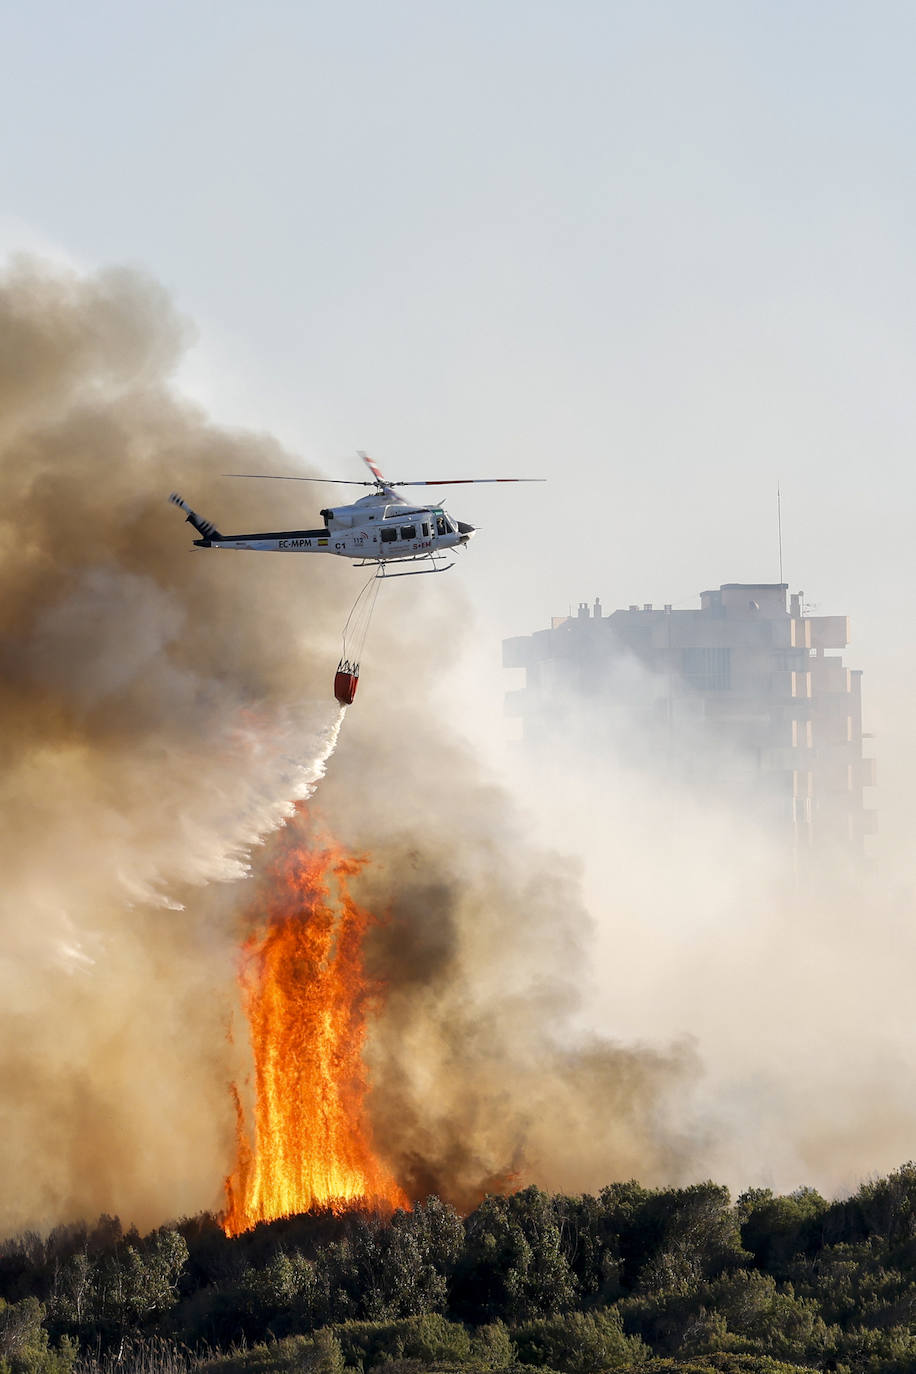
(829, 677)
(829, 631)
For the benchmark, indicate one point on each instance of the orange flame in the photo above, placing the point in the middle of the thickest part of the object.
(306, 996)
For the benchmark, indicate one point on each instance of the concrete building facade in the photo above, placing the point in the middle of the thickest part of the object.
(747, 696)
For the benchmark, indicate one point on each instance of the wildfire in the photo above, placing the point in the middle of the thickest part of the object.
(306, 996)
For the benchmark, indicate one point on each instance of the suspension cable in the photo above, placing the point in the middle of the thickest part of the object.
(357, 624)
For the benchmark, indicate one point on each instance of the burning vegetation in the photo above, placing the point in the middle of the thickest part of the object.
(307, 998)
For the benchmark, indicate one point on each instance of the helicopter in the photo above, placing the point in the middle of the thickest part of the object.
(380, 529)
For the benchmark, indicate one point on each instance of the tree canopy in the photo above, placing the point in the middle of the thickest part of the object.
(642, 1279)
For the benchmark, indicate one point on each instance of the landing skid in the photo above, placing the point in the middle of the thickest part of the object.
(383, 565)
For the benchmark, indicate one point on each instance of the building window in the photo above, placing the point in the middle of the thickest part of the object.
(707, 670)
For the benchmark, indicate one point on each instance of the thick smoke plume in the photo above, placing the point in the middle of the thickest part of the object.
(482, 1078)
(161, 710)
(159, 714)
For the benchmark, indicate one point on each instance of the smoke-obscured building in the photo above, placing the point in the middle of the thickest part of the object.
(748, 697)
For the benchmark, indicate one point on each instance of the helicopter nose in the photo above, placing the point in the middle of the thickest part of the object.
(465, 531)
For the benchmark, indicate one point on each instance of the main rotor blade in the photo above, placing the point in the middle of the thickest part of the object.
(465, 481)
(374, 469)
(380, 481)
(280, 477)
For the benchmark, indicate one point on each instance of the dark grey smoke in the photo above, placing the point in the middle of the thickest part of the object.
(484, 1076)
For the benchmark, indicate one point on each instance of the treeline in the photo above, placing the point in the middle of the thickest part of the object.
(634, 1279)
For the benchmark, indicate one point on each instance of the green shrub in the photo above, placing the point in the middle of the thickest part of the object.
(493, 1347)
(319, 1353)
(24, 1346)
(579, 1343)
(430, 1339)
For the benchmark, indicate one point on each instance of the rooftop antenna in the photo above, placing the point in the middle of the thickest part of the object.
(779, 527)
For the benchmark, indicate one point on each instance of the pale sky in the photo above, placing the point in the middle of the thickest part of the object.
(659, 253)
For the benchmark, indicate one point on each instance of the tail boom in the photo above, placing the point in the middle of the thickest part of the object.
(276, 541)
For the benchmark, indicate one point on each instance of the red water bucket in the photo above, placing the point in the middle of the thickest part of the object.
(346, 681)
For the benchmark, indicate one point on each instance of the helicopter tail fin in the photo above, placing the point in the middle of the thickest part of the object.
(200, 524)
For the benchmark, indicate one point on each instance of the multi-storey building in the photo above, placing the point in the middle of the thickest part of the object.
(748, 696)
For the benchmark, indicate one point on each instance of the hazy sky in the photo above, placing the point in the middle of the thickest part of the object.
(658, 253)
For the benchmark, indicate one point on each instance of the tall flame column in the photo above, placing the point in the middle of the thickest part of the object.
(306, 997)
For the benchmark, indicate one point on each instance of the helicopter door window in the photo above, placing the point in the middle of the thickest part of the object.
(408, 531)
(425, 528)
(388, 536)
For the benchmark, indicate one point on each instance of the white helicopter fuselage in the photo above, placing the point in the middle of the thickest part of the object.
(380, 528)
(369, 529)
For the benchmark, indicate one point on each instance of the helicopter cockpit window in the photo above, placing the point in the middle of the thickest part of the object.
(389, 535)
(408, 531)
(440, 525)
